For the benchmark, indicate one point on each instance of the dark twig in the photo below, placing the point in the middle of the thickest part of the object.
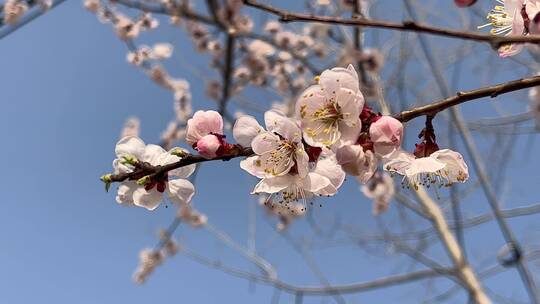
(227, 72)
(411, 26)
(187, 160)
(463, 96)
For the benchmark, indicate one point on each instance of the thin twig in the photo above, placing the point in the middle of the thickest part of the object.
(464, 96)
(411, 26)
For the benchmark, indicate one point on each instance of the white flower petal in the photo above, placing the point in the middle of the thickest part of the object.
(336, 78)
(312, 99)
(168, 158)
(253, 166)
(278, 123)
(456, 170)
(350, 104)
(130, 145)
(302, 162)
(423, 165)
(273, 184)
(315, 182)
(329, 168)
(125, 191)
(398, 162)
(180, 191)
(147, 199)
(153, 154)
(265, 142)
(349, 134)
(245, 129)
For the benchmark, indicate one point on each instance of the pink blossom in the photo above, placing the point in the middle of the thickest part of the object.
(203, 123)
(386, 134)
(208, 145)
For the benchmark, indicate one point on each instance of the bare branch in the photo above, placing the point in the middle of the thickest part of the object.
(463, 96)
(410, 26)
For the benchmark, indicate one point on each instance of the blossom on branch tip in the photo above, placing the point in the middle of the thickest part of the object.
(329, 111)
(443, 168)
(131, 154)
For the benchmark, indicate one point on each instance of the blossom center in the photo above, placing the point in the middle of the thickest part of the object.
(499, 19)
(326, 121)
(279, 160)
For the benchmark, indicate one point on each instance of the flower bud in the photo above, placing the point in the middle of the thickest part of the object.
(107, 180)
(386, 134)
(143, 180)
(179, 152)
(129, 160)
(208, 146)
(202, 124)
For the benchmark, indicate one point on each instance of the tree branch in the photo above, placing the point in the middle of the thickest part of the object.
(464, 271)
(190, 159)
(410, 26)
(463, 96)
(429, 109)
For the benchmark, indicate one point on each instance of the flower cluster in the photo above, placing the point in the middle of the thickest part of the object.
(148, 191)
(158, 52)
(514, 17)
(295, 159)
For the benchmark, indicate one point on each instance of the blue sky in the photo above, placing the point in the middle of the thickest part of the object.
(66, 91)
